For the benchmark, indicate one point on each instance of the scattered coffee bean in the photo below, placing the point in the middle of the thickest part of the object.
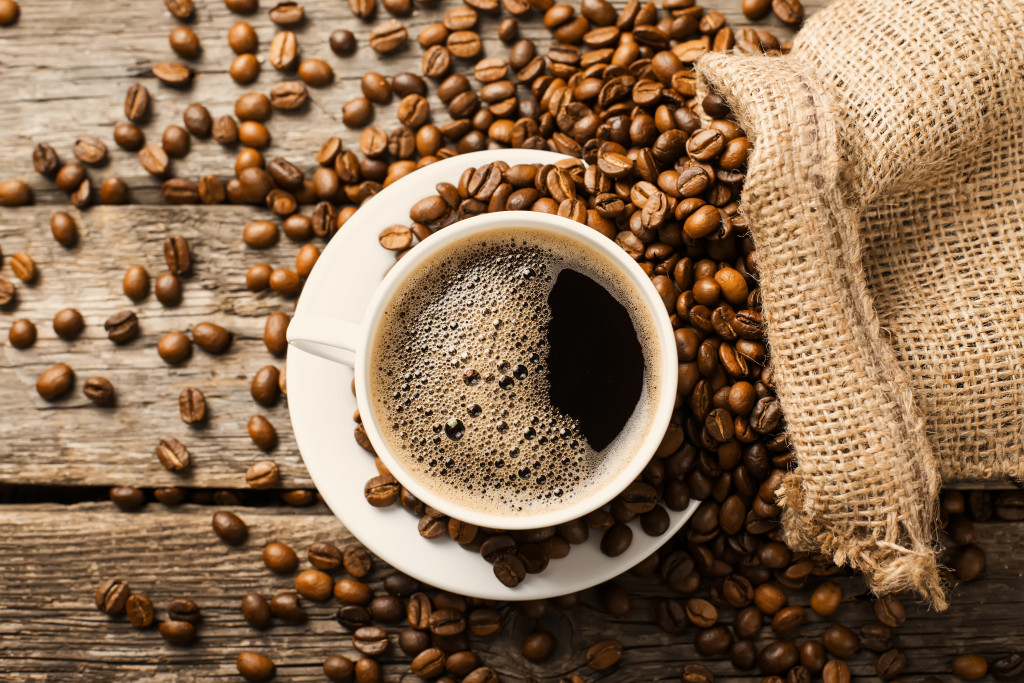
(55, 382)
(262, 433)
(22, 334)
(140, 611)
(178, 632)
(184, 42)
(604, 655)
(263, 475)
(111, 597)
(211, 337)
(969, 667)
(122, 327)
(127, 498)
(64, 230)
(256, 611)
(314, 584)
(255, 667)
(68, 323)
(174, 347)
(343, 42)
(230, 527)
(172, 454)
(100, 391)
(168, 289)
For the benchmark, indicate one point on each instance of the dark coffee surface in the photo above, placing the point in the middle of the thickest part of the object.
(506, 377)
(595, 361)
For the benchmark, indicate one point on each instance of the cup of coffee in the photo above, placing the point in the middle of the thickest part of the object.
(515, 370)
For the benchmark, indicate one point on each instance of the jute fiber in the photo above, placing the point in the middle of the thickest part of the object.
(885, 195)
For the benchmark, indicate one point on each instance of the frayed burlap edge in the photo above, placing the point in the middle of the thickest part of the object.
(865, 487)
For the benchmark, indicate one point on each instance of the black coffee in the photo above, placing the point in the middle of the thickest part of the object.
(515, 374)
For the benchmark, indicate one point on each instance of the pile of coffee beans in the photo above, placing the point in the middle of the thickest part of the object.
(663, 176)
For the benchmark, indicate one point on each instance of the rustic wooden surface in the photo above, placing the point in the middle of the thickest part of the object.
(64, 68)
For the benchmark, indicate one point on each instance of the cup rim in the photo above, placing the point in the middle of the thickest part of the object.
(664, 400)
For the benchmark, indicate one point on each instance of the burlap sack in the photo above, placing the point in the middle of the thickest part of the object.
(885, 194)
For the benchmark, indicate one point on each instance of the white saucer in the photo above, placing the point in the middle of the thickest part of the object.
(321, 405)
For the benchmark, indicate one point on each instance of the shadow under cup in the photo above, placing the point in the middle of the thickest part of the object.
(521, 371)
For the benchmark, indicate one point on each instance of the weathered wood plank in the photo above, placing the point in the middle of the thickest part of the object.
(56, 556)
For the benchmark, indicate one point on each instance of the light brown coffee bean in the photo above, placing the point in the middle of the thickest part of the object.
(174, 347)
(263, 475)
(172, 454)
(388, 36)
(262, 433)
(260, 234)
(136, 103)
(55, 382)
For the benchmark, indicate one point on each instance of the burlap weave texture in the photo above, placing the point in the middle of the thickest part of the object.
(885, 195)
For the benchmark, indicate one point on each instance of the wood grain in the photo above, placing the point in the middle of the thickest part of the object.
(52, 630)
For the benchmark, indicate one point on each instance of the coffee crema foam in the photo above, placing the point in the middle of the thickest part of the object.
(459, 385)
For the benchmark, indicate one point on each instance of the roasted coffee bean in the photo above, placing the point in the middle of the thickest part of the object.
(604, 654)
(111, 596)
(969, 667)
(712, 642)
(181, 9)
(262, 433)
(244, 69)
(23, 267)
(314, 584)
(285, 606)
(826, 598)
(352, 592)
(136, 103)
(139, 610)
(176, 141)
(127, 498)
(15, 193)
(178, 632)
(357, 561)
(315, 73)
(388, 36)
(429, 663)
(890, 611)
(174, 347)
(7, 291)
(368, 671)
(90, 150)
(263, 475)
(135, 283)
(172, 454)
(1010, 667)
(386, 609)
(22, 334)
(264, 387)
(969, 562)
(168, 289)
(68, 323)
(177, 255)
(701, 613)
(55, 382)
(225, 130)
(230, 527)
(100, 391)
(339, 668)
(788, 11)
(211, 337)
(173, 74)
(45, 159)
(280, 558)
(382, 490)
(184, 609)
(777, 657)
(284, 51)
(184, 42)
(840, 641)
(255, 667)
(357, 112)
(343, 41)
(242, 38)
(788, 619)
(69, 177)
(509, 569)
(287, 13)
(616, 540)
(538, 646)
(372, 641)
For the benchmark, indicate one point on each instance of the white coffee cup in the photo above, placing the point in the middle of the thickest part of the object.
(349, 342)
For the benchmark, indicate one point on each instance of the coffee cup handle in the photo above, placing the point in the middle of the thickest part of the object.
(330, 338)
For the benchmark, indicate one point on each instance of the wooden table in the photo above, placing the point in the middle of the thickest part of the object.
(64, 69)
